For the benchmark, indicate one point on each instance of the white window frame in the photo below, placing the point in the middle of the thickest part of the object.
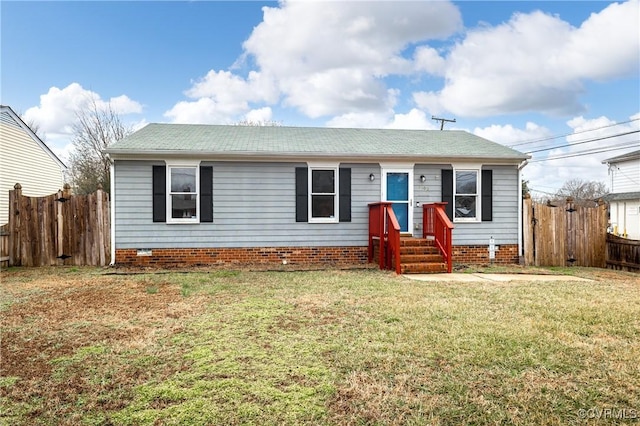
(185, 164)
(478, 195)
(336, 185)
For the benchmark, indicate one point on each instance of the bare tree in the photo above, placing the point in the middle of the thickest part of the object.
(34, 126)
(95, 129)
(260, 123)
(582, 191)
(525, 188)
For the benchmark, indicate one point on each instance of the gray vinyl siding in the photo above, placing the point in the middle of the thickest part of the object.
(504, 226)
(253, 205)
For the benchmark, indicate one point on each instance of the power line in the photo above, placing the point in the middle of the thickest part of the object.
(586, 141)
(586, 152)
(526, 142)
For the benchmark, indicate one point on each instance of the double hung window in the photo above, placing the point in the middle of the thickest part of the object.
(466, 195)
(323, 194)
(183, 193)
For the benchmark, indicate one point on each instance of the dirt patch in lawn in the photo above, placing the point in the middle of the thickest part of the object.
(36, 323)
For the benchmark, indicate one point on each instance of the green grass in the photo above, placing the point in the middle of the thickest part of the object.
(326, 347)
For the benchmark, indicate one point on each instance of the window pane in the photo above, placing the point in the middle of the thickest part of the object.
(398, 186)
(467, 182)
(465, 206)
(401, 211)
(183, 206)
(322, 181)
(323, 206)
(183, 179)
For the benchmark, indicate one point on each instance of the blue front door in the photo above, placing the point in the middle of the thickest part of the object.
(398, 191)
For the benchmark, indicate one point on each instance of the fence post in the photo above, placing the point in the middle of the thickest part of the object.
(527, 232)
(15, 197)
(62, 195)
(570, 254)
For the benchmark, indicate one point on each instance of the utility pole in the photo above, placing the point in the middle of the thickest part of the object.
(442, 120)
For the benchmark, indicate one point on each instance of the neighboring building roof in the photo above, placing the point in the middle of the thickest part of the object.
(622, 196)
(624, 157)
(303, 142)
(8, 116)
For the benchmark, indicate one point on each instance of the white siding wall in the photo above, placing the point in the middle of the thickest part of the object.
(22, 160)
(625, 176)
(254, 205)
(625, 218)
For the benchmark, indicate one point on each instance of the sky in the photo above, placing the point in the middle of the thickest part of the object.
(557, 79)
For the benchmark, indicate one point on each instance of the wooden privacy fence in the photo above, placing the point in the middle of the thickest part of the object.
(623, 253)
(59, 229)
(565, 234)
(4, 245)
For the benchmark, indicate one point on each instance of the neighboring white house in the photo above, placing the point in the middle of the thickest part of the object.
(25, 159)
(624, 198)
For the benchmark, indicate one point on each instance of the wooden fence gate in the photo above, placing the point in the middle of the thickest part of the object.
(564, 235)
(59, 229)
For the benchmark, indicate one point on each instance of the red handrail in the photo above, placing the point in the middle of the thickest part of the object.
(383, 225)
(436, 223)
(393, 235)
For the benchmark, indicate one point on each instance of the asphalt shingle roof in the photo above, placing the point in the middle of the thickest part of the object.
(278, 141)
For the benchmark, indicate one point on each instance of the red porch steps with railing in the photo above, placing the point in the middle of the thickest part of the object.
(407, 255)
(420, 256)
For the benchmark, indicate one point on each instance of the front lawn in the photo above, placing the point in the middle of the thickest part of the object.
(86, 346)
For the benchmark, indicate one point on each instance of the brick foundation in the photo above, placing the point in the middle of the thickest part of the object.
(479, 255)
(239, 256)
(470, 255)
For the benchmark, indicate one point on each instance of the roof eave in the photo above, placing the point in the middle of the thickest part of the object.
(298, 156)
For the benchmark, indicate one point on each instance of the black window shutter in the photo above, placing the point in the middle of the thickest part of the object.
(206, 194)
(345, 195)
(487, 195)
(159, 193)
(302, 194)
(447, 191)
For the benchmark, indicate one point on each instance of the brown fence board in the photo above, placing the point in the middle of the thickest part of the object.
(59, 229)
(564, 234)
(623, 253)
(4, 245)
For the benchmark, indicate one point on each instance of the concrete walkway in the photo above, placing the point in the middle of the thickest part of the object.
(457, 277)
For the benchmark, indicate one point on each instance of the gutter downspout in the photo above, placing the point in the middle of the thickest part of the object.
(520, 242)
(112, 189)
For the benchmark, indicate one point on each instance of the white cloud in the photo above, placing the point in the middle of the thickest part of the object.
(122, 105)
(56, 113)
(509, 135)
(367, 120)
(58, 107)
(537, 62)
(414, 119)
(428, 59)
(261, 115)
(204, 111)
(576, 161)
(325, 59)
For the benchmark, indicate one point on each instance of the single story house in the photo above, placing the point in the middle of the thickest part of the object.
(215, 194)
(624, 195)
(21, 153)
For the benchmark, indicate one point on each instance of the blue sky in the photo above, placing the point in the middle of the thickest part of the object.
(559, 73)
